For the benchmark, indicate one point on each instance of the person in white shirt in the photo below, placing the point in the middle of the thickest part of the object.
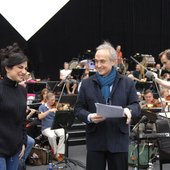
(165, 60)
(65, 77)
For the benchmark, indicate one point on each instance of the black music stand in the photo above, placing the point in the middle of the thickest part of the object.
(77, 73)
(91, 73)
(64, 119)
(151, 114)
(69, 99)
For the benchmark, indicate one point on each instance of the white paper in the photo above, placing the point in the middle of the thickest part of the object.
(109, 111)
(164, 115)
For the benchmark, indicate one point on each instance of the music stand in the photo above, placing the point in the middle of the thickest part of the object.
(64, 119)
(69, 99)
(151, 114)
(77, 73)
(91, 73)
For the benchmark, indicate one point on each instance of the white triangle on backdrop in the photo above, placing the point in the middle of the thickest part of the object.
(28, 16)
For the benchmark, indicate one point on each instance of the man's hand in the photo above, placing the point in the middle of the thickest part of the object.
(151, 75)
(155, 75)
(96, 118)
(127, 113)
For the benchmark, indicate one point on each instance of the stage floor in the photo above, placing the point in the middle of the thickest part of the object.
(79, 153)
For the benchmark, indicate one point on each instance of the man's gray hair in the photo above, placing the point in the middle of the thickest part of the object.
(107, 46)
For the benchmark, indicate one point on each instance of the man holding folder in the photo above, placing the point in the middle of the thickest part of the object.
(107, 138)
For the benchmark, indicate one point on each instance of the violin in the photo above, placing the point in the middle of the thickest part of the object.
(64, 106)
(159, 104)
(168, 98)
(165, 102)
(61, 106)
(154, 103)
(54, 105)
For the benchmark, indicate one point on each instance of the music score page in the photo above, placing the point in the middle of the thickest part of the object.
(109, 111)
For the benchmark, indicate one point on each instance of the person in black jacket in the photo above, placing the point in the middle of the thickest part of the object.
(13, 138)
(107, 139)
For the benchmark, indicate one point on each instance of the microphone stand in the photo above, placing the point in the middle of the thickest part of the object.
(61, 82)
(62, 91)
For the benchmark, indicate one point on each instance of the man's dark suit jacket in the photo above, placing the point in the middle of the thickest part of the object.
(112, 134)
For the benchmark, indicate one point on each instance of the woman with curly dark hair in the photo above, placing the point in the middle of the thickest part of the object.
(13, 99)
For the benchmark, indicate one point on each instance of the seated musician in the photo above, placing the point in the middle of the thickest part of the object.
(138, 74)
(148, 103)
(43, 95)
(46, 116)
(27, 78)
(165, 99)
(85, 75)
(65, 77)
(149, 100)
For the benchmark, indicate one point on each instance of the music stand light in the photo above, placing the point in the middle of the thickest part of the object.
(64, 119)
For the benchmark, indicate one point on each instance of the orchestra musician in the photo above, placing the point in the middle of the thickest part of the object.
(164, 99)
(119, 54)
(138, 74)
(149, 100)
(120, 61)
(46, 116)
(165, 60)
(65, 77)
(148, 103)
(43, 95)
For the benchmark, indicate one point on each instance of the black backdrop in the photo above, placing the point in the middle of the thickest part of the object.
(139, 26)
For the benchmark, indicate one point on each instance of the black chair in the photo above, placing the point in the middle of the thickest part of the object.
(162, 126)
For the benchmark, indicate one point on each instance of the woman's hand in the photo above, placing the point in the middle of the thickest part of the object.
(22, 152)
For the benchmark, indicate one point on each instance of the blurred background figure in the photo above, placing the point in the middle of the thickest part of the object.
(119, 55)
(120, 62)
(48, 111)
(138, 74)
(43, 95)
(65, 77)
(149, 100)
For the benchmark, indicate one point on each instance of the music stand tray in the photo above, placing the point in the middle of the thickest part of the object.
(64, 119)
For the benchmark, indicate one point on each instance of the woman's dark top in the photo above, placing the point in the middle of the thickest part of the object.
(12, 117)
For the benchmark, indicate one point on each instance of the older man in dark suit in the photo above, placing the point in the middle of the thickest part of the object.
(107, 138)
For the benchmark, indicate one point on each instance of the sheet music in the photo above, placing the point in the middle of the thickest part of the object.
(164, 115)
(109, 111)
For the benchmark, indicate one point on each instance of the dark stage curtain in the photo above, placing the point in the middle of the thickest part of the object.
(138, 25)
